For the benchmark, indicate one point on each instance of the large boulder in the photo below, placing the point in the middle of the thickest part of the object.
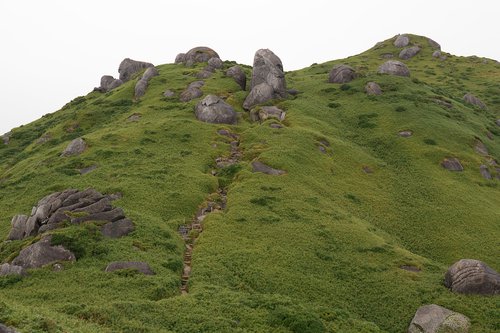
(198, 54)
(213, 109)
(129, 67)
(341, 74)
(8, 269)
(470, 276)
(108, 83)
(373, 88)
(473, 100)
(393, 67)
(73, 206)
(237, 73)
(436, 319)
(75, 147)
(409, 52)
(452, 164)
(140, 266)
(268, 77)
(401, 41)
(42, 253)
(142, 84)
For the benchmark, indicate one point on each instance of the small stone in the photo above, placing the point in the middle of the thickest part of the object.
(410, 268)
(44, 138)
(367, 169)
(261, 167)
(198, 54)
(180, 58)
(275, 125)
(435, 319)
(452, 164)
(373, 88)
(406, 134)
(485, 172)
(140, 266)
(6, 138)
(75, 147)
(134, 117)
(118, 228)
(8, 269)
(434, 44)
(267, 112)
(480, 148)
(215, 63)
(497, 122)
(387, 55)
(6, 329)
(473, 100)
(88, 169)
(57, 267)
(168, 93)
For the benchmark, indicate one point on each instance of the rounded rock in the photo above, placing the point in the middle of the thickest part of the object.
(341, 74)
(470, 276)
(212, 109)
(393, 67)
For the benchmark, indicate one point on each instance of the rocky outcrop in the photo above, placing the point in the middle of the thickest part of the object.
(237, 73)
(108, 83)
(129, 67)
(436, 319)
(469, 276)
(261, 167)
(75, 147)
(373, 88)
(192, 91)
(409, 52)
(341, 74)
(452, 164)
(196, 55)
(139, 266)
(473, 100)
(267, 112)
(142, 84)
(212, 109)
(268, 79)
(42, 253)
(75, 207)
(8, 269)
(401, 41)
(393, 67)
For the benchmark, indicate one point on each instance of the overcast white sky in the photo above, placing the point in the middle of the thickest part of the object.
(54, 50)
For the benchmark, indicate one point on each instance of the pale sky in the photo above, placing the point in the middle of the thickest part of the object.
(53, 51)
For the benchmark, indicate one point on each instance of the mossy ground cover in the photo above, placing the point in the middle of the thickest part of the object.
(316, 250)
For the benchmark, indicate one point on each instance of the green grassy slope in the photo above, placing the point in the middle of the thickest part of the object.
(316, 250)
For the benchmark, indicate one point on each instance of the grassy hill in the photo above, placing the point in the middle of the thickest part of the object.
(319, 249)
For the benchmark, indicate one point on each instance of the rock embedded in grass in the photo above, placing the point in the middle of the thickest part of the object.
(372, 88)
(470, 276)
(168, 93)
(433, 44)
(139, 266)
(261, 167)
(409, 52)
(473, 100)
(480, 148)
(485, 172)
(266, 112)
(6, 329)
(129, 67)
(434, 319)
(239, 76)
(393, 67)
(9, 269)
(402, 41)
(42, 253)
(341, 74)
(452, 164)
(406, 134)
(212, 109)
(75, 147)
(436, 54)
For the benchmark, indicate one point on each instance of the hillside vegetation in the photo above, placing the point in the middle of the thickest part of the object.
(318, 249)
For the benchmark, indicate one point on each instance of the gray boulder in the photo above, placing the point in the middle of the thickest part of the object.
(436, 319)
(261, 167)
(118, 228)
(6, 329)
(8, 269)
(18, 230)
(401, 41)
(6, 138)
(75, 147)
(142, 84)
(199, 54)
(485, 172)
(452, 164)
(108, 83)
(215, 63)
(140, 266)
(237, 73)
(268, 77)
(192, 91)
(436, 54)
(409, 52)
(129, 67)
(267, 112)
(480, 148)
(341, 74)
(204, 74)
(180, 58)
(393, 67)
(470, 276)
(213, 109)
(473, 100)
(434, 44)
(42, 253)
(373, 88)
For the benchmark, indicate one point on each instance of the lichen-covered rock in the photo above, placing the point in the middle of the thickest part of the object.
(452, 164)
(204, 74)
(341, 74)
(140, 266)
(409, 52)
(401, 41)
(473, 100)
(42, 253)
(261, 167)
(393, 67)
(267, 112)
(470, 276)
(198, 54)
(373, 88)
(75, 147)
(237, 73)
(8, 269)
(436, 319)
(212, 109)
(129, 67)
(268, 77)
(215, 63)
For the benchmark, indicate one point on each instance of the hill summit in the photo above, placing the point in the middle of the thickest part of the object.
(357, 195)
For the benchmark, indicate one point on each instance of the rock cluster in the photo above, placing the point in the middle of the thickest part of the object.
(42, 253)
(75, 147)
(393, 67)
(268, 79)
(142, 84)
(341, 74)
(74, 206)
(237, 73)
(434, 319)
(192, 91)
(212, 109)
(469, 276)
(473, 100)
